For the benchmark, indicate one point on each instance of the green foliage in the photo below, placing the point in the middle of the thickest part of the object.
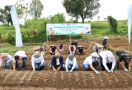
(34, 31)
(81, 8)
(36, 8)
(58, 18)
(113, 24)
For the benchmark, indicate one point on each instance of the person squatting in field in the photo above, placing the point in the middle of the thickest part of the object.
(91, 62)
(57, 62)
(123, 59)
(37, 61)
(71, 63)
(19, 55)
(108, 61)
(6, 61)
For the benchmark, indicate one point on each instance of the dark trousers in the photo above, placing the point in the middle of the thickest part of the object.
(23, 65)
(39, 67)
(109, 65)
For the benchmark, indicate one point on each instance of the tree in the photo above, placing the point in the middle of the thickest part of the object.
(58, 18)
(112, 23)
(5, 16)
(36, 8)
(82, 8)
(23, 9)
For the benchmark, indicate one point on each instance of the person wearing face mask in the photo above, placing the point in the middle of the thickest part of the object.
(71, 63)
(91, 62)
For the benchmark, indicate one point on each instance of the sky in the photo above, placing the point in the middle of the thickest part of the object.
(116, 8)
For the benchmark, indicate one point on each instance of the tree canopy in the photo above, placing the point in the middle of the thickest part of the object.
(36, 8)
(81, 8)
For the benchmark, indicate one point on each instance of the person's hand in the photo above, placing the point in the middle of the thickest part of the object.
(108, 71)
(126, 70)
(67, 71)
(97, 72)
(70, 71)
(111, 70)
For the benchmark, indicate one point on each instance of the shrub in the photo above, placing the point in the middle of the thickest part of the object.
(112, 23)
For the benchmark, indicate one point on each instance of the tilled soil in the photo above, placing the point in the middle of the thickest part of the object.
(61, 79)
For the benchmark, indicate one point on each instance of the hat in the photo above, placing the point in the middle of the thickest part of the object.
(57, 54)
(94, 54)
(105, 37)
(36, 54)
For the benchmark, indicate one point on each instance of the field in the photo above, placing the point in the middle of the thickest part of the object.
(60, 80)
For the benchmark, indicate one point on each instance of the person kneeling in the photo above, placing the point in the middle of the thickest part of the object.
(124, 59)
(20, 56)
(37, 61)
(6, 61)
(92, 62)
(71, 63)
(57, 62)
(108, 60)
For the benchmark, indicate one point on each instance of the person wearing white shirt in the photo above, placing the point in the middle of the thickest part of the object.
(19, 55)
(108, 60)
(6, 60)
(91, 62)
(71, 63)
(37, 61)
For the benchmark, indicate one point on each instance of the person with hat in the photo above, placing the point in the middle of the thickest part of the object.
(57, 62)
(19, 55)
(71, 63)
(123, 59)
(108, 60)
(91, 62)
(104, 42)
(37, 61)
(6, 60)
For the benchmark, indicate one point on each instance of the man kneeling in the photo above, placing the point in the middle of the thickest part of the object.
(37, 61)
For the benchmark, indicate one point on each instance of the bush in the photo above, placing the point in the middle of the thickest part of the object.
(112, 23)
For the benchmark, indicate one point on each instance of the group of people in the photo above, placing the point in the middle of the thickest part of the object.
(100, 57)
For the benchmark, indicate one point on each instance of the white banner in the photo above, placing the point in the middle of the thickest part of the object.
(68, 29)
(129, 24)
(17, 27)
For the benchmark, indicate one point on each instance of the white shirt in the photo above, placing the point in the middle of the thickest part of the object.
(57, 61)
(21, 54)
(71, 62)
(36, 60)
(88, 60)
(107, 57)
(9, 58)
